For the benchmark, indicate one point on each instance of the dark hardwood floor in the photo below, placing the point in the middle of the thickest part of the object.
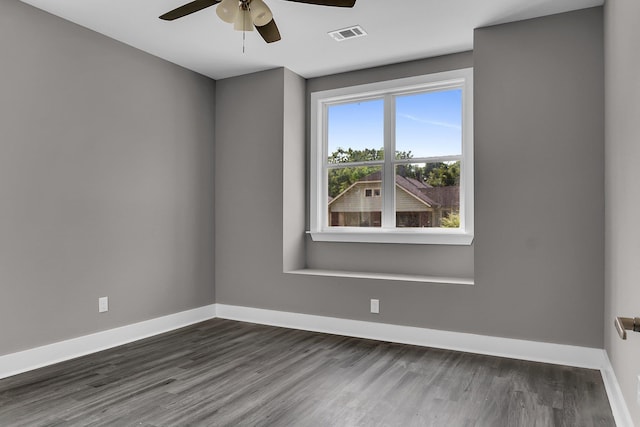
(227, 373)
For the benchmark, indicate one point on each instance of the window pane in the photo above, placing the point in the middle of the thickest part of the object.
(429, 124)
(428, 195)
(355, 197)
(356, 131)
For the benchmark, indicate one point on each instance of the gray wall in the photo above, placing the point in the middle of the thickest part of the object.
(108, 166)
(106, 182)
(622, 175)
(539, 176)
(538, 252)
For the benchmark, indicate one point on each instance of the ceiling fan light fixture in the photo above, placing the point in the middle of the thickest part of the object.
(243, 21)
(260, 13)
(228, 10)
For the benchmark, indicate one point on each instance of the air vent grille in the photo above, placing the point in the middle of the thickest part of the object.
(348, 33)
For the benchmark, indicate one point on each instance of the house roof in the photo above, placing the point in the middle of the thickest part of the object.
(415, 187)
(427, 194)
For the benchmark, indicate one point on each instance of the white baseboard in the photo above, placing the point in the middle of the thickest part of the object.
(616, 400)
(23, 361)
(560, 354)
(583, 357)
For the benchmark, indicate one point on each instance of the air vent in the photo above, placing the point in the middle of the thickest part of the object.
(348, 33)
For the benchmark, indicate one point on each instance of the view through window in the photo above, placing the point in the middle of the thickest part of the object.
(394, 160)
(427, 154)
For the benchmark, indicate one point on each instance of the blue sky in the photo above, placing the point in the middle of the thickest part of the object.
(428, 124)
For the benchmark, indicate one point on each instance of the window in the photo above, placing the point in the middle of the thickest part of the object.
(372, 192)
(392, 162)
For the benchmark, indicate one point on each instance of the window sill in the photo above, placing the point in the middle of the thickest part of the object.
(396, 236)
(384, 276)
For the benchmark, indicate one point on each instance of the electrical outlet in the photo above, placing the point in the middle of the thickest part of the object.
(375, 306)
(103, 304)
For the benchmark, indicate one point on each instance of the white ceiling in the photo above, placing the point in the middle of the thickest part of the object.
(398, 31)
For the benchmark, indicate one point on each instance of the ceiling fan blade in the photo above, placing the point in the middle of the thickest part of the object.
(336, 3)
(269, 32)
(188, 9)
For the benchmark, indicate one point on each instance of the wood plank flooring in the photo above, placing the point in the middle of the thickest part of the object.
(227, 373)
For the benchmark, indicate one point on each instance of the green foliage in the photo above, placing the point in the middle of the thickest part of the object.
(342, 178)
(434, 174)
(350, 156)
(451, 221)
(402, 155)
(444, 175)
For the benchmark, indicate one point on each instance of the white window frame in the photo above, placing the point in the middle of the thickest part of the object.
(388, 233)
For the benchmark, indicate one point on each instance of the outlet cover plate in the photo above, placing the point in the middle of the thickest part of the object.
(103, 304)
(375, 306)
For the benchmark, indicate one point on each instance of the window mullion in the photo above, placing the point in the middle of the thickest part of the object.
(323, 192)
(388, 210)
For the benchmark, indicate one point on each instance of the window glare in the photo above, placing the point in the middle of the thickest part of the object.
(429, 124)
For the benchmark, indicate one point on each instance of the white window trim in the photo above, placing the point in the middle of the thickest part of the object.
(319, 229)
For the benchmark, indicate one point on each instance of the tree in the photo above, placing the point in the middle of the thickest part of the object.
(443, 174)
(438, 174)
(350, 156)
(342, 178)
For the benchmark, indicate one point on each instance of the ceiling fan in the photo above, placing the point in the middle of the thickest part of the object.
(245, 14)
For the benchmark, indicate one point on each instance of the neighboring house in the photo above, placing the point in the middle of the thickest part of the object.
(417, 204)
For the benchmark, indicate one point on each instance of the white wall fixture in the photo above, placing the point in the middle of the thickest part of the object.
(103, 304)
